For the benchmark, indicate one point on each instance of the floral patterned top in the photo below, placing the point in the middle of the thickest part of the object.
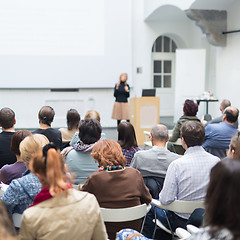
(21, 192)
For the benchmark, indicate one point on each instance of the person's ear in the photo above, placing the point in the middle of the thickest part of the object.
(14, 121)
(224, 117)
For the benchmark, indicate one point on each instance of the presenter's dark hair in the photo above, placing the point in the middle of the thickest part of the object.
(193, 133)
(190, 108)
(7, 118)
(46, 115)
(222, 198)
(126, 135)
(89, 131)
(73, 119)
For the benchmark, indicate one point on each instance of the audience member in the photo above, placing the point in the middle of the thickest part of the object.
(218, 136)
(187, 177)
(127, 140)
(116, 186)
(15, 170)
(92, 115)
(224, 104)
(46, 116)
(234, 147)
(222, 216)
(190, 109)
(21, 191)
(73, 119)
(7, 230)
(7, 122)
(153, 163)
(59, 211)
(78, 157)
(130, 234)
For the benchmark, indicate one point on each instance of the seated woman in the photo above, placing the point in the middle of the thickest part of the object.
(127, 140)
(92, 115)
(190, 109)
(114, 185)
(46, 115)
(73, 119)
(59, 211)
(222, 218)
(15, 170)
(234, 147)
(21, 191)
(78, 158)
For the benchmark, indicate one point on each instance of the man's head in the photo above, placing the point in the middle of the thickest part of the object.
(193, 133)
(159, 134)
(46, 115)
(224, 104)
(7, 118)
(230, 115)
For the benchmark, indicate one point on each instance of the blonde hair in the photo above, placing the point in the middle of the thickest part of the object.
(51, 170)
(92, 115)
(122, 75)
(31, 145)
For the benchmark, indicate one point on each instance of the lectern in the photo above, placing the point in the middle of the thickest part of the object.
(144, 115)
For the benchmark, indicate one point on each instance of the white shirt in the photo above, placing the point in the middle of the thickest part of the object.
(187, 177)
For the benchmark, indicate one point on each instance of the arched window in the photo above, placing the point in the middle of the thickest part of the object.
(163, 52)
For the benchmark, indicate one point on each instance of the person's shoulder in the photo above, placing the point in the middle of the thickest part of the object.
(172, 155)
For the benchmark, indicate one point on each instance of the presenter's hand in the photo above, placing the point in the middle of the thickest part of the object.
(126, 88)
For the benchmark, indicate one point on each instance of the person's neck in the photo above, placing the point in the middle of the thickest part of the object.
(44, 126)
(228, 122)
(19, 158)
(158, 143)
(8, 130)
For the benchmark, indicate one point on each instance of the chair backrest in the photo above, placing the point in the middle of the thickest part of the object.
(124, 214)
(180, 206)
(17, 219)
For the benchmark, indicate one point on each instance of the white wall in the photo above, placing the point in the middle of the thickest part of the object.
(227, 60)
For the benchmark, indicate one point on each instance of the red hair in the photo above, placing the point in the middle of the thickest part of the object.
(51, 171)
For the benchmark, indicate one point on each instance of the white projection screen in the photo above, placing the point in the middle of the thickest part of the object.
(64, 44)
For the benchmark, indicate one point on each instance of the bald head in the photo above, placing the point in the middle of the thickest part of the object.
(230, 115)
(159, 133)
(224, 104)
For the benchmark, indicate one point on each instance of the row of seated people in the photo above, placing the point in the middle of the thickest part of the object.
(96, 128)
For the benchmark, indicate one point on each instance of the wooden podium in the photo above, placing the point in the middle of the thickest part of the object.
(144, 115)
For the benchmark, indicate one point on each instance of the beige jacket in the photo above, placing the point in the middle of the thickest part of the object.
(76, 216)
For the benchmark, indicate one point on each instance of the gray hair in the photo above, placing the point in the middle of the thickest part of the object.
(160, 132)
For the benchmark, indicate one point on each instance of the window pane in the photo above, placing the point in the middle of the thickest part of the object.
(174, 46)
(158, 44)
(167, 82)
(157, 82)
(166, 44)
(157, 67)
(167, 66)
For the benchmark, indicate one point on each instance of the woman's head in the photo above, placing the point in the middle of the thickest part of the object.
(49, 166)
(89, 131)
(46, 115)
(234, 147)
(17, 139)
(190, 108)
(108, 153)
(222, 198)
(123, 77)
(73, 119)
(31, 145)
(126, 135)
(93, 115)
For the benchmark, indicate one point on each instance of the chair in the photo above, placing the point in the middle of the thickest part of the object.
(185, 234)
(178, 206)
(17, 219)
(125, 214)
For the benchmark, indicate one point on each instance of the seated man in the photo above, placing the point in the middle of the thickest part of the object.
(78, 157)
(224, 104)
(187, 177)
(218, 136)
(153, 163)
(46, 116)
(7, 122)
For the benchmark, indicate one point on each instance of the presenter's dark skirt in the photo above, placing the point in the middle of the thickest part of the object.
(121, 111)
